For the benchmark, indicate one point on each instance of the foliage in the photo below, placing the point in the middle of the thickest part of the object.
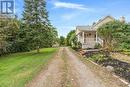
(69, 35)
(97, 46)
(19, 68)
(114, 35)
(97, 57)
(62, 41)
(8, 31)
(72, 40)
(41, 32)
(34, 31)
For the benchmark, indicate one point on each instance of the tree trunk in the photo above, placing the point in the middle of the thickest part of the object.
(38, 49)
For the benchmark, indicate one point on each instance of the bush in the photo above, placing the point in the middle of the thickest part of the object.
(97, 46)
(98, 58)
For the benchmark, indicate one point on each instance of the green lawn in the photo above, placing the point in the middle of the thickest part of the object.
(17, 69)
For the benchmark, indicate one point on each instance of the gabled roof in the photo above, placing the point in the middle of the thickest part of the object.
(91, 28)
(103, 20)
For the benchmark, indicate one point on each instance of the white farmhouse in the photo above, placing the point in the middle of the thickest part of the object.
(87, 35)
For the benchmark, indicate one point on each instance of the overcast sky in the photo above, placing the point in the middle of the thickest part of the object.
(65, 15)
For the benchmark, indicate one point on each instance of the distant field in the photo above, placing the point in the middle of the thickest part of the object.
(17, 69)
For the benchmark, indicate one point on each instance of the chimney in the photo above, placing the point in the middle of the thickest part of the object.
(122, 19)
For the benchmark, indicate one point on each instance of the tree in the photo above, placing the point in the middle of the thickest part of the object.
(11, 32)
(34, 31)
(3, 35)
(22, 39)
(8, 30)
(122, 36)
(39, 29)
(68, 43)
(113, 34)
(62, 41)
(72, 41)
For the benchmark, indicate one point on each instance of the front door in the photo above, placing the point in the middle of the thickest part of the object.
(90, 39)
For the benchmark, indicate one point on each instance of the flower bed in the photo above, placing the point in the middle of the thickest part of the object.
(121, 69)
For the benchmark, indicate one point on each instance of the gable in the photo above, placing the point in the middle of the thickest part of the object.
(95, 26)
(103, 21)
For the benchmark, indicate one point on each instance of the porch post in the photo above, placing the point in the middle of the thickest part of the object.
(78, 38)
(96, 37)
(83, 36)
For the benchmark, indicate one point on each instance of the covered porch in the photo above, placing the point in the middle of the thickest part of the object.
(88, 39)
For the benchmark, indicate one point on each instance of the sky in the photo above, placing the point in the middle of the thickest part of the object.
(65, 15)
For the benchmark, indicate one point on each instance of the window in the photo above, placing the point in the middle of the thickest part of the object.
(85, 35)
(89, 34)
(95, 37)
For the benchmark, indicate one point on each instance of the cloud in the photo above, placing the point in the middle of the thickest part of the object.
(58, 4)
(70, 16)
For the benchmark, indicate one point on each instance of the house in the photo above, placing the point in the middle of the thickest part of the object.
(87, 35)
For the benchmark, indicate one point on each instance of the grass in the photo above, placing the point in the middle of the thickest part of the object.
(17, 69)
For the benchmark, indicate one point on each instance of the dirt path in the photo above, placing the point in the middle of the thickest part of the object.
(67, 70)
(85, 76)
(81, 74)
(52, 77)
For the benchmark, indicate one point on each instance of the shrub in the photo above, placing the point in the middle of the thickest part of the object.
(98, 58)
(97, 46)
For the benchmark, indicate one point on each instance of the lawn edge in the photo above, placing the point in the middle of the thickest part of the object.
(43, 68)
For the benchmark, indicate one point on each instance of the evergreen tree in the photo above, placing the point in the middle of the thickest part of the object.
(8, 30)
(39, 29)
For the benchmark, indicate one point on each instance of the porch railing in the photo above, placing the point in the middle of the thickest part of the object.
(100, 41)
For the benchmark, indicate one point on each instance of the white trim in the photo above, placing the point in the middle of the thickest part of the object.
(83, 37)
(96, 37)
(78, 38)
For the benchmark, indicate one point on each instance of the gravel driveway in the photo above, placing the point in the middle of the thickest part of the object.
(67, 70)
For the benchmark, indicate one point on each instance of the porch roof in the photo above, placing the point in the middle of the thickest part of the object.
(85, 28)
